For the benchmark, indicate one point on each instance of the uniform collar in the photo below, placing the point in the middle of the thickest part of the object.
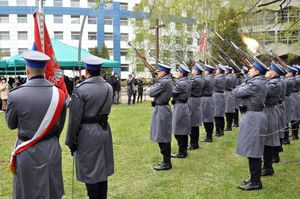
(96, 79)
(37, 77)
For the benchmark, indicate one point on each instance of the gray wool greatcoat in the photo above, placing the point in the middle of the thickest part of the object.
(38, 169)
(161, 123)
(181, 120)
(94, 158)
(253, 123)
(296, 99)
(230, 100)
(218, 96)
(207, 103)
(281, 106)
(289, 106)
(272, 112)
(195, 100)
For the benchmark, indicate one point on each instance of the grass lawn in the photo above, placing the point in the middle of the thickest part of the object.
(214, 171)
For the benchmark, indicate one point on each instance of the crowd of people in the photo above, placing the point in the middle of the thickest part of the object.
(268, 99)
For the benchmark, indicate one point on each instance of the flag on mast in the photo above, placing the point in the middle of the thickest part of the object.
(53, 72)
(202, 44)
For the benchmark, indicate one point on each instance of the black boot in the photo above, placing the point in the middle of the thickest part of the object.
(286, 139)
(97, 190)
(209, 128)
(218, 124)
(229, 118)
(268, 168)
(295, 130)
(194, 138)
(165, 149)
(255, 170)
(182, 141)
(236, 118)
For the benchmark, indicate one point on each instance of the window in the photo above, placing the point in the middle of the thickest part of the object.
(22, 35)
(124, 67)
(124, 37)
(75, 3)
(57, 3)
(123, 6)
(92, 36)
(110, 51)
(91, 3)
(108, 6)
(4, 35)
(123, 52)
(107, 20)
(5, 52)
(189, 28)
(75, 35)
(3, 2)
(21, 50)
(75, 19)
(92, 20)
(139, 22)
(189, 41)
(124, 21)
(4, 19)
(58, 19)
(108, 36)
(22, 19)
(59, 35)
(21, 3)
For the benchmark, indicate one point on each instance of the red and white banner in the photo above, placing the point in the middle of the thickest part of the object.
(52, 115)
(203, 40)
(53, 72)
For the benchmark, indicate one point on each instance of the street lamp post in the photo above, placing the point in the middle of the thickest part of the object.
(157, 27)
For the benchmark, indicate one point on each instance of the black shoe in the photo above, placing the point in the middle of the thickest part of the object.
(267, 172)
(228, 129)
(163, 166)
(208, 140)
(251, 186)
(294, 137)
(179, 155)
(286, 142)
(236, 125)
(222, 133)
(276, 159)
(193, 147)
(218, 134)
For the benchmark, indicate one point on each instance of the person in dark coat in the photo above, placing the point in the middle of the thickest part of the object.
(89, 134)
(239, 80)
(116, 85)
(207, 102)
(272, 142)
(30, 109)
(161, 122)
(140, 84)
(288, 100)
(219, 100)
(230, 101)
(253, 123)
(130, 82)
(181, 120)
(195, 105)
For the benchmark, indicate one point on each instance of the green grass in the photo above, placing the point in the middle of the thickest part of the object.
(214, 171)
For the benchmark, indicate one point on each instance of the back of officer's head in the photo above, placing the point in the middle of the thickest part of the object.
(93, 65)
(35, 62)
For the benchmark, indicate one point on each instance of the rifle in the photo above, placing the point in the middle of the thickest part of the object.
(278, 59)
(144, 60)
(226, 57)
(156, 59)
(247, 59)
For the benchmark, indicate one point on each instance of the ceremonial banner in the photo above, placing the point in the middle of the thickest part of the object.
(202, 44)
(53, 72)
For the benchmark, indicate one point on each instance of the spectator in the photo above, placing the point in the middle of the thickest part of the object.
(140, 90)
(134, 89)
(4, 88)
(129, 88)
(16, 83)
(116, 85)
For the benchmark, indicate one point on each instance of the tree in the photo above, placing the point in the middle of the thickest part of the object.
(104, 52)
(95, 51)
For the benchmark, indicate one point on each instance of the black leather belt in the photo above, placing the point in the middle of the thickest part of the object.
(195, 96)
(206, 95)
(46, 137)
(159, 104)
(178, 101)
(219, 91)
(100, 119)
(244, 109)
(228, 89)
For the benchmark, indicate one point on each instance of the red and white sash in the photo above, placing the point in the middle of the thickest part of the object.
(49, 120)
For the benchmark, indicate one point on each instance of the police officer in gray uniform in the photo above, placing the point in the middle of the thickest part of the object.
(289, 106)
(161, 123)
(296, 101)
(219, 100)
(181, 120)
(207, 103)
(239, 80)
(195, 105)
(230, 101)
(272, 142)
(38, 168)
(89, 134)
(253, 122)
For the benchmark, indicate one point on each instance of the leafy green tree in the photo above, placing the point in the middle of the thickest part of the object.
(104, 52)
(95, 51)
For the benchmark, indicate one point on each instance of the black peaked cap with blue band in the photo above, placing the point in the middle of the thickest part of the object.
(275, 67)
(209, 68)
(35, 59)
(261, 67)
(198, 67)
(183, 69)
(93, 63)
(163, 67)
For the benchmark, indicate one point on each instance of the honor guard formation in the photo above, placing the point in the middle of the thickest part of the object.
(261, 98)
